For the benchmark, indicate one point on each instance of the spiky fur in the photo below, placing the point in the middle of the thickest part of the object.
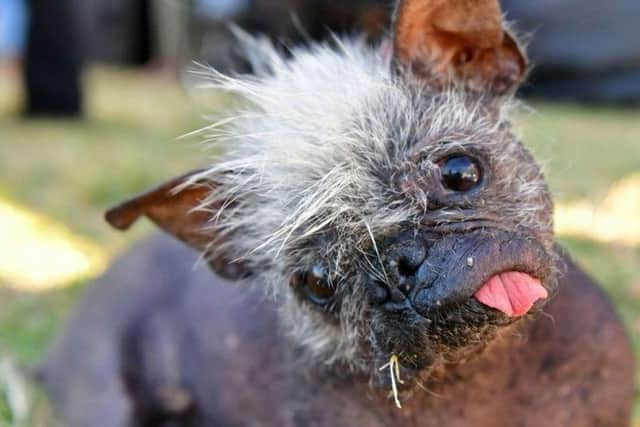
(312, 167)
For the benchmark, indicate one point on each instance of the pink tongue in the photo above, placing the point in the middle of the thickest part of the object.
(512, 293)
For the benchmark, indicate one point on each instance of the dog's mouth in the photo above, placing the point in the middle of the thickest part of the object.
(454, 333)
(504, 272)
(465, 290)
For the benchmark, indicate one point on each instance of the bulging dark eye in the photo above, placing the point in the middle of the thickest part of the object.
(315, 285)
(460, 173)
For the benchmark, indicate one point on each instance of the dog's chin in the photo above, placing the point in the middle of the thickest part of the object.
(424, 348)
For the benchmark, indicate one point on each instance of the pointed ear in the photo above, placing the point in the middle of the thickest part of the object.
(173, 206)
(445, 41)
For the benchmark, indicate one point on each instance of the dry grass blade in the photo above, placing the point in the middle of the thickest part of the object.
(394, 372)
(13, 385)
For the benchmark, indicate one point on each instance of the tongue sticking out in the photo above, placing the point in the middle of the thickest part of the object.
(512, 293)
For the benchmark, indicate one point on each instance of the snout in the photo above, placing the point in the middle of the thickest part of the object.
(503, 271)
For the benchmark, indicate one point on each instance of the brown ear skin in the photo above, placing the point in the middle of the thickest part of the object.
(446, 41)
(175, 211)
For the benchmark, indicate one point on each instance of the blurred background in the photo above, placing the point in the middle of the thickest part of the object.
(95, 93)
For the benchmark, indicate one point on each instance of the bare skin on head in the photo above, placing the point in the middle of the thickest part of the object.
(403, 235)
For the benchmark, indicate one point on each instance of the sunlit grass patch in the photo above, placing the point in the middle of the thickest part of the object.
(37, 254)
(616, 219)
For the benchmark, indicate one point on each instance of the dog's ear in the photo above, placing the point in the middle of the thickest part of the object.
(173, 206)
(443, 41)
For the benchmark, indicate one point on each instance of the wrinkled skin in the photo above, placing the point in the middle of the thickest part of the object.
(176, 349)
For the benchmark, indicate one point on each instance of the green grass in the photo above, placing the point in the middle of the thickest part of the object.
(73, 171)
(584, 149)
(5, 413)
(29, 320)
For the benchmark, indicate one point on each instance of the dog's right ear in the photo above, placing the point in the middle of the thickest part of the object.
(445, 41)
(176, 207)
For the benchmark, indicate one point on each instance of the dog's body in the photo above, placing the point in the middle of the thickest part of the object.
(206, 353)
(396, 238)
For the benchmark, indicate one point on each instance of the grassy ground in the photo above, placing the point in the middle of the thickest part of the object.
(73, 171)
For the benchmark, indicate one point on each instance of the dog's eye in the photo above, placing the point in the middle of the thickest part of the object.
(315, 285)
(460, 173)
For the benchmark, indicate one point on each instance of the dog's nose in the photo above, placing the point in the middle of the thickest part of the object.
(402, 263)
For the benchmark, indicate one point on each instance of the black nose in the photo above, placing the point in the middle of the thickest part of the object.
(403, 262)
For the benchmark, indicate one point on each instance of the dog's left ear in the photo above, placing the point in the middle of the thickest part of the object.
(174, 207)
(446, 41)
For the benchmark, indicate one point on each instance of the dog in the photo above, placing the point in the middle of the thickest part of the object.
(392, 244)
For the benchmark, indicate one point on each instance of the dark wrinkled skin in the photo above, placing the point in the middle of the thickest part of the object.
(157, 343)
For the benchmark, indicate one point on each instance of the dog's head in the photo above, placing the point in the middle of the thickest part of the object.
(379, 192)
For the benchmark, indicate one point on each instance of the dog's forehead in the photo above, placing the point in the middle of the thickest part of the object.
(326, 106)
